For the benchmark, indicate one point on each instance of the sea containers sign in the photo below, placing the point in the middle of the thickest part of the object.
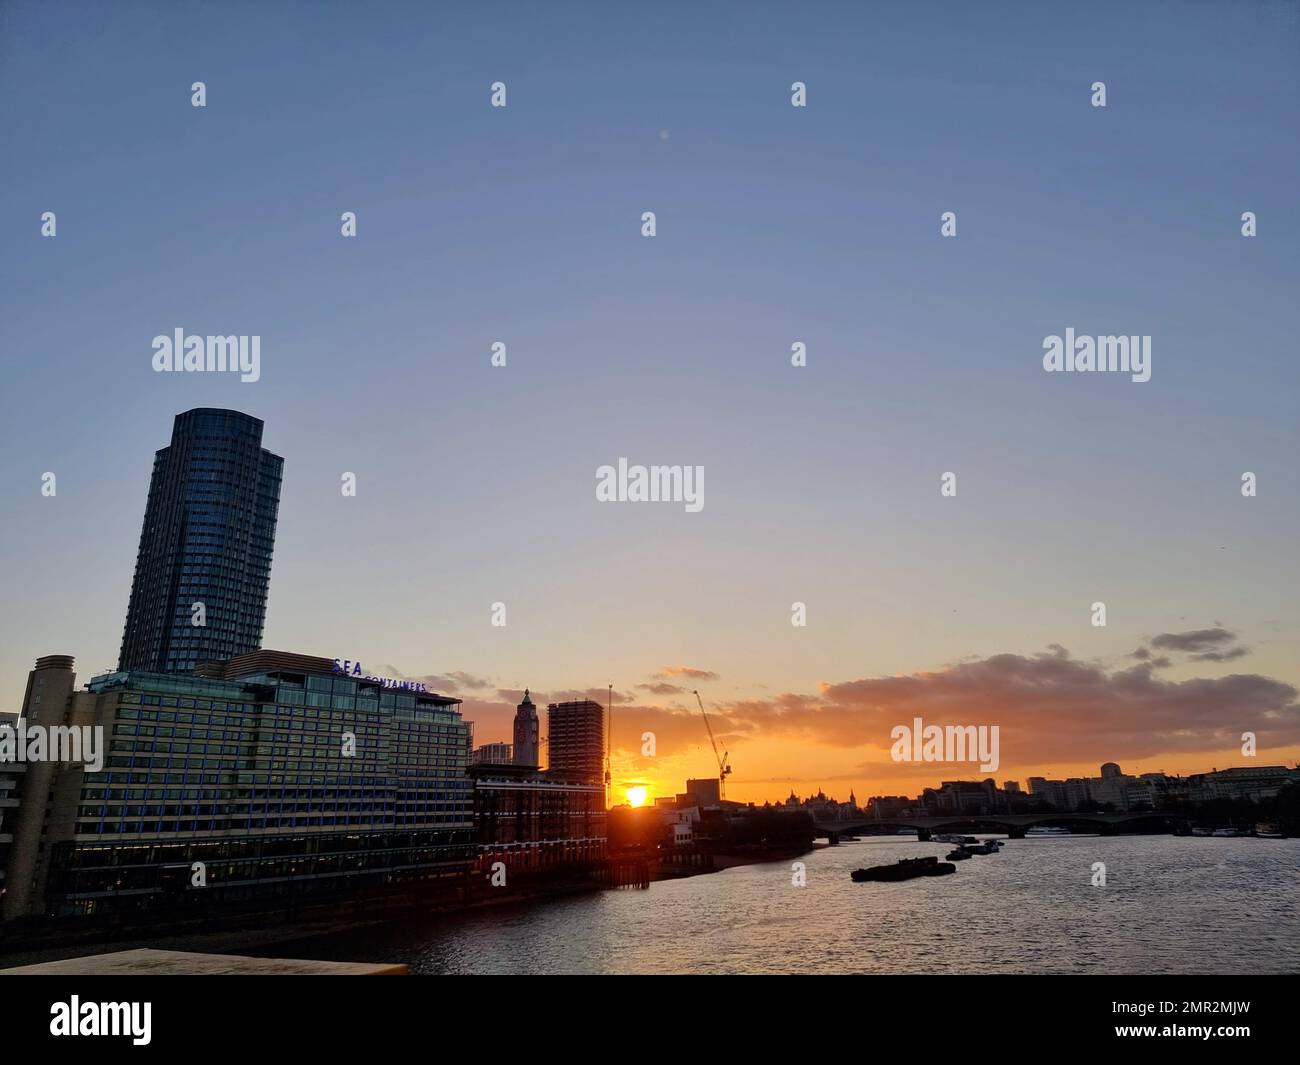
(349, 668)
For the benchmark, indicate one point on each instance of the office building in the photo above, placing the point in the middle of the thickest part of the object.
(204, 561)
(576, 740)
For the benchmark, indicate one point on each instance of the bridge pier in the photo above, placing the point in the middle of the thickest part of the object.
(1015, 832)
(923, 835)
(833, 838)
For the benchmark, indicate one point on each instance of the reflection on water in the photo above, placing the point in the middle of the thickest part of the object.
(1170, 905)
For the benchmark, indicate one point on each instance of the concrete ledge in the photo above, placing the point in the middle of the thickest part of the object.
(184, 963)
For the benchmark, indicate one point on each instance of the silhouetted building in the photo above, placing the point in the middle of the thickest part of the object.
(11, 779)
(1256, 783)
(535, 822)
(961, 797)
(704, 792)
(1112, 790)
(204, 562)
(526, 733)
(576, 740)
(887, 807)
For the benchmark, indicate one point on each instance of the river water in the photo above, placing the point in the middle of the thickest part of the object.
(1169, 905)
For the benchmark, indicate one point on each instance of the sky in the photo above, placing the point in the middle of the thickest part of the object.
(774, 225)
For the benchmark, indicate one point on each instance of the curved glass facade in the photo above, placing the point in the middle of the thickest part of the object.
(207, 538)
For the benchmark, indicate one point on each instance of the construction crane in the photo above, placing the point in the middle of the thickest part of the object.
(609, 740)
(724, 770)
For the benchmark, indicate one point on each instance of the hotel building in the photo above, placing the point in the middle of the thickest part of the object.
(285, 778)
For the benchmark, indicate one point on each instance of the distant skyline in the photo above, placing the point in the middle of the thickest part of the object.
(776, 225)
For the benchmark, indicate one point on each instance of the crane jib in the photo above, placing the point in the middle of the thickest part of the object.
(723, 768)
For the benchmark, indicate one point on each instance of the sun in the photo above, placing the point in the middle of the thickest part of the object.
(637, 796)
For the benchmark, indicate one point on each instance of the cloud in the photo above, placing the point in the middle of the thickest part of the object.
(1221, 656)
(1201, 645)
(454, 682)
(1050, 708)
(1143, 654)
(1196, 640)
(663, 688)
(689, 672)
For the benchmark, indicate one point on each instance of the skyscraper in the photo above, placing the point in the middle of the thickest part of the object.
(526, 733)
(576, 740)
(204, 563)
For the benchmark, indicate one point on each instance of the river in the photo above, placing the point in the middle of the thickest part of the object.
(1169, 905)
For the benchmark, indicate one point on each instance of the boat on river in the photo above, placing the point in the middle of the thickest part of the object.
(904, 869)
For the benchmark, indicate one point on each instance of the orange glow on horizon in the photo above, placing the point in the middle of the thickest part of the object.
(779, 766)
(637, 796)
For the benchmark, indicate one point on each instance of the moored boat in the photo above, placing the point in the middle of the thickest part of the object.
(904, 869)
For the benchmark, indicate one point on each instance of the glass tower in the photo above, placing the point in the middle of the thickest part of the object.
(204, 564)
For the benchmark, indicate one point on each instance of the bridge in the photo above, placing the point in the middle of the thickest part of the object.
(1014, 825)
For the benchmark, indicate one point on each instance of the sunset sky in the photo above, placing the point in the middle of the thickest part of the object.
(775, 225)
